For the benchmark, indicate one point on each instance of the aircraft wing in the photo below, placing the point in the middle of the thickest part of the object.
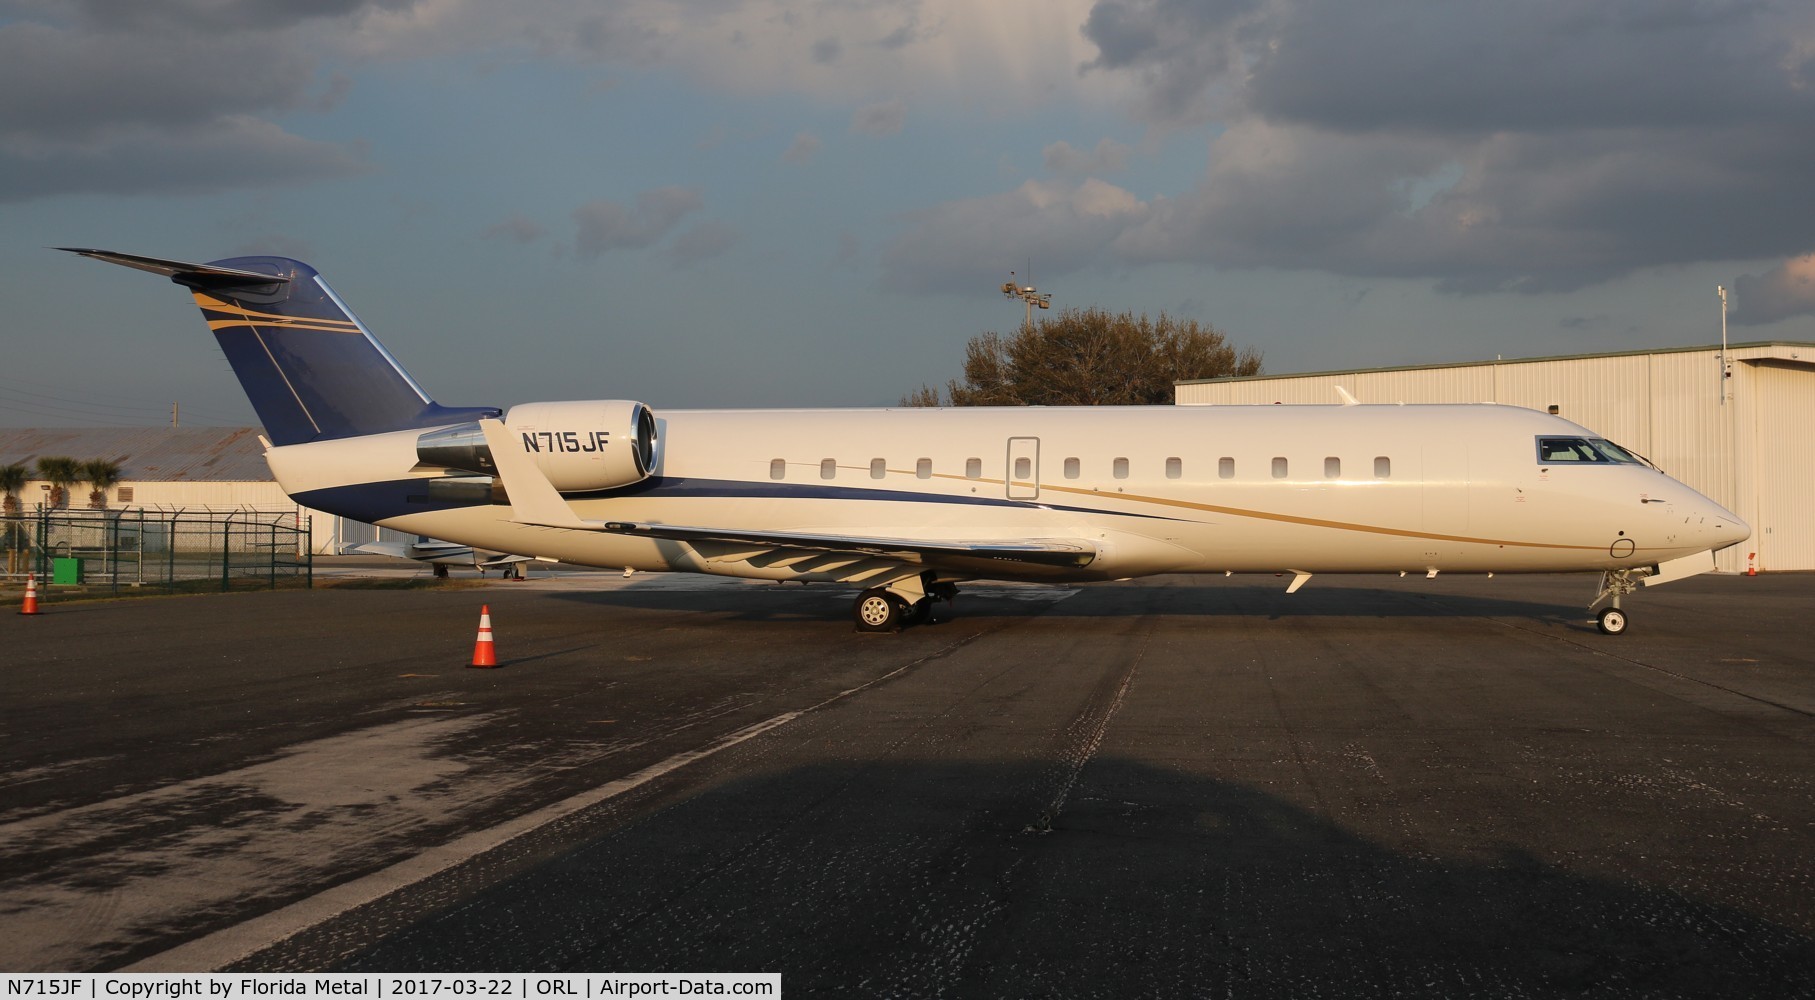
(422, 551)
(535, 501)
(1065, 552)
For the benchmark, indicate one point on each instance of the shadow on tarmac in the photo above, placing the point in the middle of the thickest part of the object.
(833, 603)
(943, 879)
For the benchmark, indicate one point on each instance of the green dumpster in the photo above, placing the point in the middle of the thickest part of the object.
(65, 570)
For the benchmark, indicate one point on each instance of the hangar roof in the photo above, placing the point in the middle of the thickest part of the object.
(1782, 350)
(148, 454)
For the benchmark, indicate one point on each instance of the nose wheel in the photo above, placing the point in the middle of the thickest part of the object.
(1611, 621)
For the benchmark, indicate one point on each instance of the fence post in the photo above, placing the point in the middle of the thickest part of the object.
(226, 548)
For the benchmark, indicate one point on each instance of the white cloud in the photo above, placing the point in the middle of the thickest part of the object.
(602, 226)
(702, 242)
(1782, 292)
(801, 151)
(515, 229)
(885, 118)
(1066, 160)
(964, 245)
(230, 152)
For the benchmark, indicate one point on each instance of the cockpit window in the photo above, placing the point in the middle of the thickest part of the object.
(1584, 450)
(1615, 453)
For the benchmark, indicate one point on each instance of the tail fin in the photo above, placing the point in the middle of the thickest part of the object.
(311, 370)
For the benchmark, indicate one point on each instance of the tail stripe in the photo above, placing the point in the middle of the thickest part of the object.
(210, 304)
(311, 370)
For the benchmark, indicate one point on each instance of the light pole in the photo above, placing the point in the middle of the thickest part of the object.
(1027, 294)
(1721, 290)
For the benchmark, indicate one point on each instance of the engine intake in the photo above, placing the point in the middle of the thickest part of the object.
(579, 446)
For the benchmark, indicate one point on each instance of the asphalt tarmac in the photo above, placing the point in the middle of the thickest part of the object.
(1173, 787)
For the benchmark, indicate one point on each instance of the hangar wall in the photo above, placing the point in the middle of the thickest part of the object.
(1754, 451)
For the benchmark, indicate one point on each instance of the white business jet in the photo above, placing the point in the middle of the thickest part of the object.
(905, 504)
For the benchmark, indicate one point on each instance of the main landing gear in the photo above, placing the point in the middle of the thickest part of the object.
(880, 609)
(1615, 584)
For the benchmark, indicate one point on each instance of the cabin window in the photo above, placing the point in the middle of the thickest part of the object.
(1332, 468)
(1073, 468)
(1175, 467)
(1383, 467)
(1024, 468)
(778, 468)
(973, 468)
(1225, 468)
(1121, 468)
(828, 468)
(924, 468)
(878, 468)
(1279, 468)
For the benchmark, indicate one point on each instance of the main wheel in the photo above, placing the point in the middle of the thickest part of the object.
(877, 611)
(1611, 621)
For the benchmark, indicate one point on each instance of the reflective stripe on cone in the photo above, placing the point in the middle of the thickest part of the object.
(484, 653)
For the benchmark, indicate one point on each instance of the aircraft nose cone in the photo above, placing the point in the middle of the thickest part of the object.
(1725, 528)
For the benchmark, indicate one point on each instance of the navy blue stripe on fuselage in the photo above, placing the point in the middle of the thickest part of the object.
(372, 502)
(669, 486)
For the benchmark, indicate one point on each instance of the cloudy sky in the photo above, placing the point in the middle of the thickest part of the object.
(756, 202)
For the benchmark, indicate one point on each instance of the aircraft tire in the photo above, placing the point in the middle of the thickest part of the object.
(1611, 621)
(878, 611)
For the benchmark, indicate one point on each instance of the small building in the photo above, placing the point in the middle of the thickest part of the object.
(177, 468)
(1739, 430)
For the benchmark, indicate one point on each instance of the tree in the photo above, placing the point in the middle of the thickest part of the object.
(1090, 357)
(12, 479)
(103, 474)
(60, 472)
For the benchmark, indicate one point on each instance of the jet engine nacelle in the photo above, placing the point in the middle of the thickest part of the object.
(587, 445)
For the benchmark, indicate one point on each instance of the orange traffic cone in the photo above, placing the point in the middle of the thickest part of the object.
(484, 655)
(30, 607)
(1751, 566)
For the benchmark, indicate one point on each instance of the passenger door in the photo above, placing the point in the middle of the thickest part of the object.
(1023, 478)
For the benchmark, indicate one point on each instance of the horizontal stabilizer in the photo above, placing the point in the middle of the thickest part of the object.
(183, 272)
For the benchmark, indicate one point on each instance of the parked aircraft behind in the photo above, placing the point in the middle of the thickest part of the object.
(440, 555)
(906, 504)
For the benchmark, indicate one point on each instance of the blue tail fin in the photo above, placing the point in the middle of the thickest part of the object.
(311, 370)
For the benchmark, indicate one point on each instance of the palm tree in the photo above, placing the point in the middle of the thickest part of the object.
(103, 474)
(12, 480)
(61, 472)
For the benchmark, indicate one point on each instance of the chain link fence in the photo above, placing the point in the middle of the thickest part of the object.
(123, 551)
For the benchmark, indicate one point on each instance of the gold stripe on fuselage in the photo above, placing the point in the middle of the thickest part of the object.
(1265, 515)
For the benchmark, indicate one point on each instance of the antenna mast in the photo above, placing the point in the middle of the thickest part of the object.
(1026, 293)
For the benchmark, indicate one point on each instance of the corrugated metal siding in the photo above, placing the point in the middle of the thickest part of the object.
(1785, 525)
(1752, 454)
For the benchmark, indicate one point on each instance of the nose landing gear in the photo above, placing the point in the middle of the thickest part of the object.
(1615, 584)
